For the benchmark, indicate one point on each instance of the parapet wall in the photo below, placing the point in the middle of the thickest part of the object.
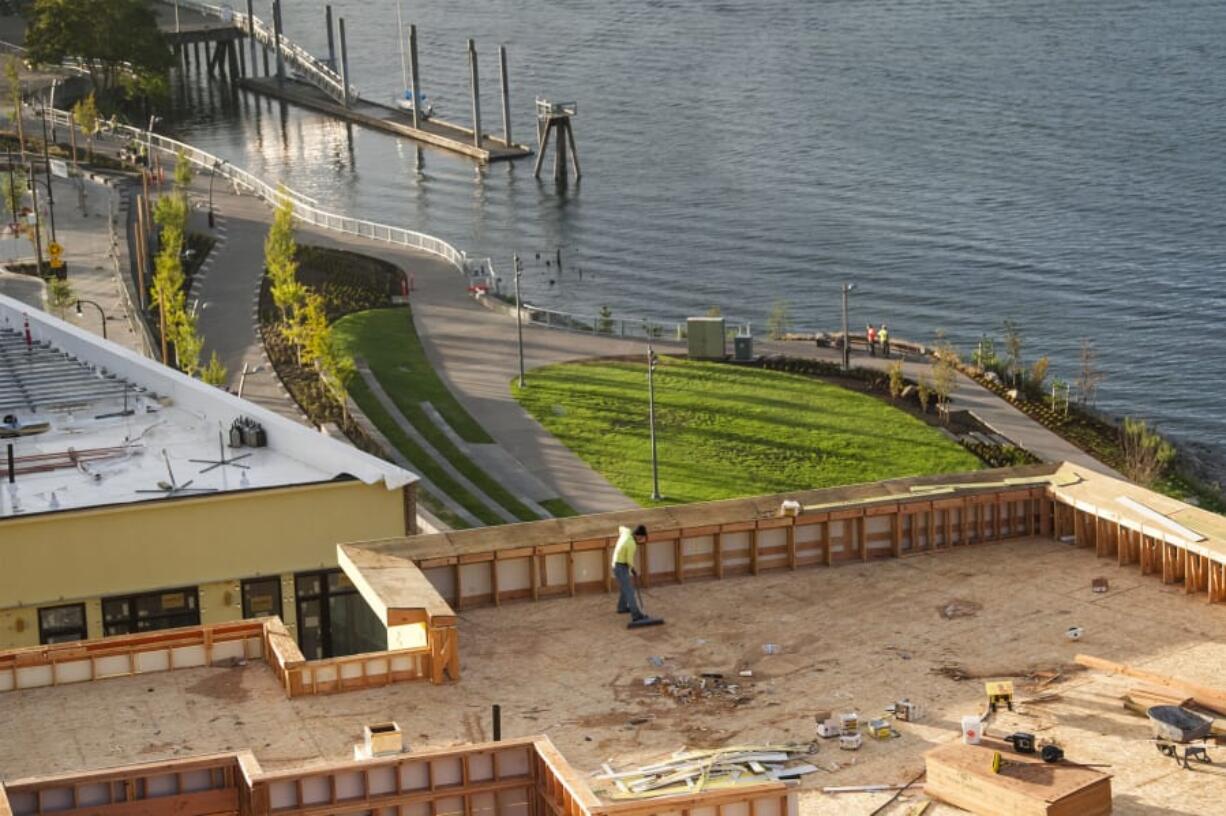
(521, 777)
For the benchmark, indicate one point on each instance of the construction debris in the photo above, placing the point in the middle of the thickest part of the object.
(861, 788)
(693, 771)
(708, 687)
(1204, 696)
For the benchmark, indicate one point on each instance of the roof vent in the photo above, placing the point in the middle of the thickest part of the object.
(380, 739)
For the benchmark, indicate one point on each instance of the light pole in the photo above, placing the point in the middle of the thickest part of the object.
(847, 287)
(47, 166)
(212, 174)
(651, 418)
(519, 320)
(101, 313)
(38, 234)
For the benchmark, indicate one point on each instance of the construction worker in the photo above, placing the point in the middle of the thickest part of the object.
(884, 336)
(870, 337)
(623, 568)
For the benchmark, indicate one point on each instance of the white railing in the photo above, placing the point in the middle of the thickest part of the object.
(318, 72)
(305, 207)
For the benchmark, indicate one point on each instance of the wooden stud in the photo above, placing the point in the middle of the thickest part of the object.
(896, 535)
(459, 587)
(947, 531)
(753, 551)
(825, 539)
(790, 532)
(718, 544)
(931, 543)
(679, 567)
(570, 572)
(534, 577)
(858, 528)
(494, 581)
(608, 567)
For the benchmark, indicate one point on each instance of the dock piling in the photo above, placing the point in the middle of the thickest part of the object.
(344, 62)
(251, 33)
(476, 90)
(331, 38)
(505, 81)
(276, 26)
(413, 80)
(554, 117)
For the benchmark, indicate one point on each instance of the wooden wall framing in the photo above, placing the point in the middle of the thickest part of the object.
(521, 777)
(828, 537)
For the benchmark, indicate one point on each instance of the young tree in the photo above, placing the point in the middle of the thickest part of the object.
(86, 114)
(59, 295)
(985, 354)
(897, 383)
(604, 320)
(188, 343)
(1146, 454)
(167, 288)
(924, 392)
(1038, 374)
(12, 73)
(214, 373)
(280, 253)
(114, 39)
(13, 188)
(1091, 375)
(945, 375)
(1013, 348)
(779, 321)
(183, 172)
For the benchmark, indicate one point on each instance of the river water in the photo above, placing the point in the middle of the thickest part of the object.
(961, 161)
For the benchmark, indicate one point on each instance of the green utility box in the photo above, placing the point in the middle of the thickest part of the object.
(706, 338)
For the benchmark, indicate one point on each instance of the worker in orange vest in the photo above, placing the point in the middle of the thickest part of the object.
(870, 335)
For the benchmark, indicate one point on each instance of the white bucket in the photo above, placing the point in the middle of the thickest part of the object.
(971, 729)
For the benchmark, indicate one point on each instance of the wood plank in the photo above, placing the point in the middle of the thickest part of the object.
(962, 775)
(1205, 696)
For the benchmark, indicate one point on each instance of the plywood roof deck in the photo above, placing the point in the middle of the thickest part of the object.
(856, 636)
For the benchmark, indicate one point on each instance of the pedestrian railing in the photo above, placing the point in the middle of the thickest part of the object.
(305, 208)
(603, 324)
(315, 70)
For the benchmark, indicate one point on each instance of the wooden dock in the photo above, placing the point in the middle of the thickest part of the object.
(433, 131)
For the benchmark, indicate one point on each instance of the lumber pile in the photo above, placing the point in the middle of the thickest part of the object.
(1203, 696)
(962, 775)
(694, 771)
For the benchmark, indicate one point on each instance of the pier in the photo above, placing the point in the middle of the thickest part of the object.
(374, 115)
(293, 74)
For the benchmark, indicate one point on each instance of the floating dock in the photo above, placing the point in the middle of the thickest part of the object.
(432, 131)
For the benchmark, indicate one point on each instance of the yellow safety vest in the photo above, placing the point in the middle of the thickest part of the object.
(626, 547)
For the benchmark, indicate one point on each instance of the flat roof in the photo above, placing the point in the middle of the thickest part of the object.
(858, 636)
(93, 424)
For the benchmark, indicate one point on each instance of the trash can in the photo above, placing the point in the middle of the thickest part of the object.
(743, 348)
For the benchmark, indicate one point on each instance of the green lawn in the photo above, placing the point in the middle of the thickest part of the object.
(387, 341)
(726, 431)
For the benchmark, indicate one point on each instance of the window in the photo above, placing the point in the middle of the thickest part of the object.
(60, 624)
(333, 619)
(164, 609)
(261, 597)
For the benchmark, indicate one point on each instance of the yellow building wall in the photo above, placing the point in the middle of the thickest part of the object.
(18, 627)
(208, 541)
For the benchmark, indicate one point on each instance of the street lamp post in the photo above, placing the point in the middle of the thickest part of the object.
(47, 168)
(651, 418)
(38, 234)
(847, 287)
(519, 320)
(101, 313)
(212, 175)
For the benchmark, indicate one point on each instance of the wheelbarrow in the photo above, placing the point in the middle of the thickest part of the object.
(1175, 728)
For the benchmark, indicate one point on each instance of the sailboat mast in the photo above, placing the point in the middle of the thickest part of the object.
(404, 71)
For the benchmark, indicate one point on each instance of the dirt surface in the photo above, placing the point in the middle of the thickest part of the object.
(854, 637)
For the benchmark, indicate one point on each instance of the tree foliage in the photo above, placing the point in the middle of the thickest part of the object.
(86, 114)
(1146, 454)
(1013, 349)
(60, 294)
(280, 261)
(13, 188)
(215, 372)
(945, 373)
(113, 39)
(897, 383)
(779, 321)
(12, 76)
(183, 172)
